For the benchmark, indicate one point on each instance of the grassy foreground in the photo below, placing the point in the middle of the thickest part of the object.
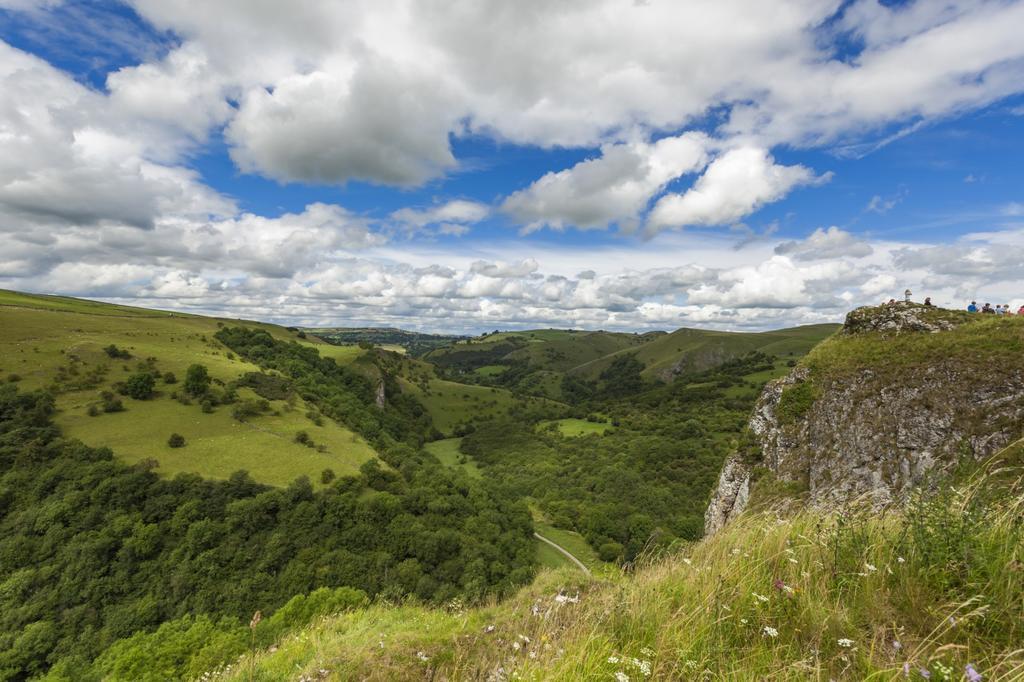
(933, 592)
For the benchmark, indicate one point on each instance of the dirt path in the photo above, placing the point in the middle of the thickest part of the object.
(564, 551)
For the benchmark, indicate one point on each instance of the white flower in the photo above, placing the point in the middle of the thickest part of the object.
(489, 628)
(687, 562)
(871, 568)
(422, 656)
(760, 597)
(896, 645)
(516, 646)
(647, 651)
(793, 561)
(844, 642)
(735, 552)
(769, 631)
(901, 560)
(533, 654)
(613, 659)
(621, 677)
(643, 666)
(743, 621)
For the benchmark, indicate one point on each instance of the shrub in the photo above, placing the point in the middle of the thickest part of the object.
(93, 411)
(610, 551)
(326, 476)
(116, 353)
(110, 402)
(206, 406)
(140, 386)
(303, 438)
(13, 378)
(176, 440)
(795, 401)
(197, 380)
(169, 378)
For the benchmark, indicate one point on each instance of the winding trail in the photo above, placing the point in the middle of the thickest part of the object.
(564, 551)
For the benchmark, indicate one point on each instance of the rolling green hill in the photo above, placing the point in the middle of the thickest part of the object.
(59, 342)
(693, 350)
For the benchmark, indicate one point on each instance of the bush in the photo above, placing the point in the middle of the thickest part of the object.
(169, 378)
(110, 402)
(116, 353)
(303, 438)
(176, 440)
(93, 411)
(197, 380)
(206, 406)
(13, 378)
(326, 476)
(140, 386)
(609, 551)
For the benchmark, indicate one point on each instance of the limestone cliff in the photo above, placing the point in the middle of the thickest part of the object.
(900, 394)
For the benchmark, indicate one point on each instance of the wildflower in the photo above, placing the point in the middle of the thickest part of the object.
(871, 567)
(972, 674)
(760, 597)
(489, 629)
(896, 645)
(952, 621)
(900, 560)
(743, 621)
(647, 651)
(769, 631)
(906, 669)
(532, 654)
(613, 659)
(844, 642)
(793, 561)
(925, 673)
(621, 677)
(524, 638)
(422, 656)
(687, 562)
(735, 552)
(517, 646)
(564, 598)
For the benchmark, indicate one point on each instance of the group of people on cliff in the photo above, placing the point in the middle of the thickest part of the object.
(988, 308)
(997, 310)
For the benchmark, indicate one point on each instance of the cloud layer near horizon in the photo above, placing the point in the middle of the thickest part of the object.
(99, 196)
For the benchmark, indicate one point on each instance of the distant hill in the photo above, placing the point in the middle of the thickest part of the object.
(60, 342)
(414, 343)
(693, 350)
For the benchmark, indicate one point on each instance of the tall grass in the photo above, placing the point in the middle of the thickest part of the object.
(936, 589)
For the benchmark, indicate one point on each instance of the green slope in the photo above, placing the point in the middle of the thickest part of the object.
(694, 350)
(43, 338)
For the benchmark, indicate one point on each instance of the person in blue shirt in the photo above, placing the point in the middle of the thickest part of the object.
(973, 307)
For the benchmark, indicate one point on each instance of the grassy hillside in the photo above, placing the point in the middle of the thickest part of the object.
(693, 350)
(59, 342)
(933, 592)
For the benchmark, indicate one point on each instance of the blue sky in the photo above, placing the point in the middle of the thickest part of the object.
(603, 165)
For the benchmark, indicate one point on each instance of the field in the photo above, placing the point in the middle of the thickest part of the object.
(578, 427)
(40, 335)
(447, 452)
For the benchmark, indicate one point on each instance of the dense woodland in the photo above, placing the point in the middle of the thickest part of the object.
(645, 482)
(93, 550)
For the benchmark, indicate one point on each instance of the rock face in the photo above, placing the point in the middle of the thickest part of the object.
(876, 431)
(381, 399)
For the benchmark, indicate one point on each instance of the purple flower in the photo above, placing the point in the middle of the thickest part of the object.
(925, 673)
(906, 669)
(972, 674)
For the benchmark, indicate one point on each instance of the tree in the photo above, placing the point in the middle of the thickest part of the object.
(140, 386)
(326, 476)
(170, 378)
(176, 440)
(197, 380)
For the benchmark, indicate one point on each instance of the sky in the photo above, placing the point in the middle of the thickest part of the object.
(469, 165)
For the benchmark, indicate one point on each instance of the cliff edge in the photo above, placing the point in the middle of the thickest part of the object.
(901, 394)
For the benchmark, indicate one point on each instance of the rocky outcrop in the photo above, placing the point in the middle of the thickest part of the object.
(381, 398)
(902, 316)
(873, 432)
